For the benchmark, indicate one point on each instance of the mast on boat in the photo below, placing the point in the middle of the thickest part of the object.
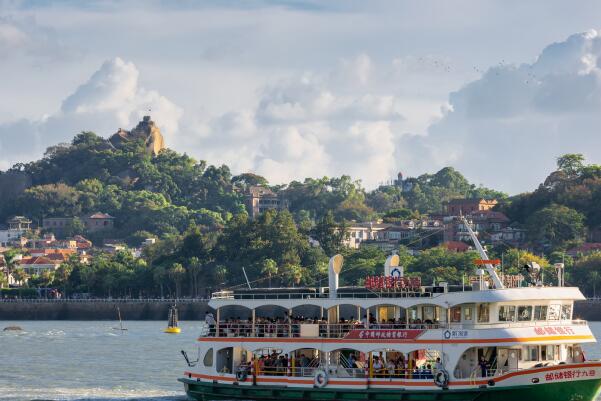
(489, 267)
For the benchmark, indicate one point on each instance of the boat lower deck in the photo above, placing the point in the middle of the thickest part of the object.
(581, 390)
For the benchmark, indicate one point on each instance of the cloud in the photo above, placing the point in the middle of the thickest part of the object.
(25, 37)
(110, 99)
(311, 124)
(506, 128)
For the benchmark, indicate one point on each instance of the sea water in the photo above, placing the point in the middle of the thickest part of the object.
(67, 360)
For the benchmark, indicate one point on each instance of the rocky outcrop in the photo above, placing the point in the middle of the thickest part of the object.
(146, 130)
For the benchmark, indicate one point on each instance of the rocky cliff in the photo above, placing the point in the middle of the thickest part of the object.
(146, 130)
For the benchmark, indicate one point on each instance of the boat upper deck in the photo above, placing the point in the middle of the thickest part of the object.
(443, 296)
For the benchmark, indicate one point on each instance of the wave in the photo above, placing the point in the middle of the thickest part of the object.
(87, 394)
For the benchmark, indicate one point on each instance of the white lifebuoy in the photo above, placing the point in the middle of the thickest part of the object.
(441, 378)
(321, 378)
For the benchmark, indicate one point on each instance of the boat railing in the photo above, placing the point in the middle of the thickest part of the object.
(341, 372)
(320, 329)
(308, 330)
(231, 295)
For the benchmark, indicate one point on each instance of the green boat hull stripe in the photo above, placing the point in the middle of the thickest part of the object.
(580, 390)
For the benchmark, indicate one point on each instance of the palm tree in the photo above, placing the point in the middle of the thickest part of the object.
(194, 268)
(11, 260)
(177, 274)
(158, 275)
(269, 269)
(594, 277)
(20, 275)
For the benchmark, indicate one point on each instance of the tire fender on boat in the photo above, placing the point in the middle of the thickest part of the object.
(241, 375)
(441, 378)
(321, 378)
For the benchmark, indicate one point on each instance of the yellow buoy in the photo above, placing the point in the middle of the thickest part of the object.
(172, 323)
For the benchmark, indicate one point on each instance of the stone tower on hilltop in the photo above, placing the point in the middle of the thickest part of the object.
(146, 130)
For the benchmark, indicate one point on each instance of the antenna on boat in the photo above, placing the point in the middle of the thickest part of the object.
(246, 277)
(334, 269)
(489, 267)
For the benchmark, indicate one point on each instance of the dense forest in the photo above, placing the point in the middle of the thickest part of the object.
(204, 235)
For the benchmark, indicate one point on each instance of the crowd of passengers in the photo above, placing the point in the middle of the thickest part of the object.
(289, 326)
(279, 364)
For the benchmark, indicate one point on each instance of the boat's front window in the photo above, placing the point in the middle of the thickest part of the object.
(566, 312)
(554, 312)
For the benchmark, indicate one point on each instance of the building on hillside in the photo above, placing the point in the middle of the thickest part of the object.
(456, 246)
(16, 227)
(38, 264)
(405, 185)
(19, 223)
(585, 249)
(511, 236)
(259, 199)
(57, 225)
(458, 207)
(47, 241)
(98, 222)
(359, 232)
(489, 226)
(417, 234)
(52, 252)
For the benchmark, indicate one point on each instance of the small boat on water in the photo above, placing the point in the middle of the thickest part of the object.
(501, 338)
(172, 327)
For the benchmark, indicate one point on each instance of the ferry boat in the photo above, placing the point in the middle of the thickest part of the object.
(499, 338)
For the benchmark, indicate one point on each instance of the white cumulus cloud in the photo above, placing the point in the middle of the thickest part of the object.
(506, 128)
(110, 99)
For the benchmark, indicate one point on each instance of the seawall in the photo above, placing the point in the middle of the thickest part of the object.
(105, 310)
(158, 310)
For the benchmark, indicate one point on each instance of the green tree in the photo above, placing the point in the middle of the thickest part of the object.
(571, 164)
(269, 269)
(330, 234)
(556, 226)
(20, 275)
(194, 269)
(177, 273)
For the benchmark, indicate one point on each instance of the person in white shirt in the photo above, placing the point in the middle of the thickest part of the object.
(438, 365)
(210, 321)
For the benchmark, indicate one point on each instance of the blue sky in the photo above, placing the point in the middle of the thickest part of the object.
(497, 89)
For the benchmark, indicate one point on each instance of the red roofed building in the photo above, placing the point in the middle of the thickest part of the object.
(98, 222)
(38, 264)
(456, 246)
(585, 249)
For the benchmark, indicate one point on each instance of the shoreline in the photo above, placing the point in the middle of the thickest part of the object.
(101, 309)
(134, 309)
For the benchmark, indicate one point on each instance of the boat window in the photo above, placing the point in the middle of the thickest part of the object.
(208, 359)
(566, 312)
(554, 312)
(456, 314)
(483, 316)
(507, 313)
(540, 312)
(524, 313)
(467, 313)
(547, 352)
(531, 353)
